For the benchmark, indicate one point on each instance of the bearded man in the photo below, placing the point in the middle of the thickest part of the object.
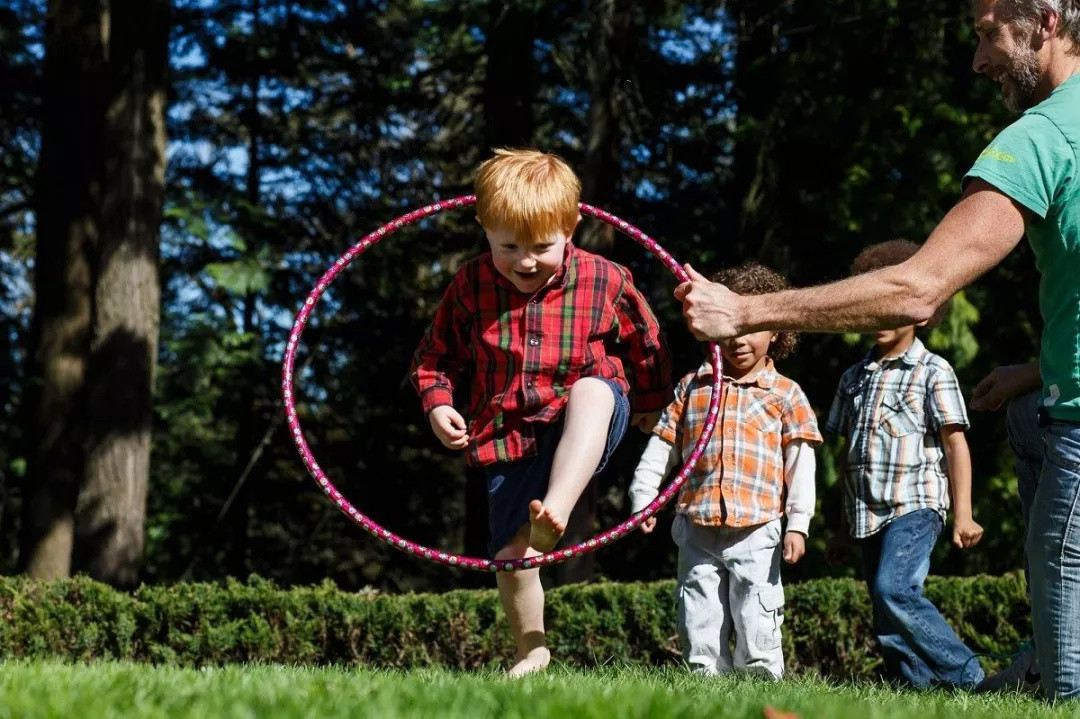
(1027, 181)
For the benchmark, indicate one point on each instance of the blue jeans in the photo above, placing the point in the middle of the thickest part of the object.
(1048, 478)
(917, 644)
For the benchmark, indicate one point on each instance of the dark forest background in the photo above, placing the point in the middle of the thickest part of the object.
(175, 175)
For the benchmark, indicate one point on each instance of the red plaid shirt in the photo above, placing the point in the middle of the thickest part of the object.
(525, 351)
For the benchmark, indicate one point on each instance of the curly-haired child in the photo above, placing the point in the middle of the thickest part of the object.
(758, 467)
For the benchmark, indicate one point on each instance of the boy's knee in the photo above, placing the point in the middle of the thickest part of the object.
(893, 595)
(591, 389)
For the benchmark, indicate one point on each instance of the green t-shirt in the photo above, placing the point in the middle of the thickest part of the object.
(1035, 162)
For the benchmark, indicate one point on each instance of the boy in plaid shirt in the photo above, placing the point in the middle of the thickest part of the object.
(562, 351)
(903, 416)
(758, 466)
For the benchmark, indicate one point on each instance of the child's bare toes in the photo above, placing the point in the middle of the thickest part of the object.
(546, 529)
(536, 660)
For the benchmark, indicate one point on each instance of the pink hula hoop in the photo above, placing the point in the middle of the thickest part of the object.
(439, 556)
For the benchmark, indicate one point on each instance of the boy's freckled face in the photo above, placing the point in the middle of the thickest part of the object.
(529, 265)
(744, 352)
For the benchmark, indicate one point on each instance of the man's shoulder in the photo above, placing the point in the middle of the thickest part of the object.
(1062, 107)
(1053, 123)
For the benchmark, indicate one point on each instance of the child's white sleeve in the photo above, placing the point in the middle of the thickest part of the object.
(799, 468)
(659, 458)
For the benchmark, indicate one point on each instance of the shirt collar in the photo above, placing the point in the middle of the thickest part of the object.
(911, 356)
(764, 379)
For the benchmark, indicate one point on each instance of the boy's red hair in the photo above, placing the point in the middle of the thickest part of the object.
(532, 193)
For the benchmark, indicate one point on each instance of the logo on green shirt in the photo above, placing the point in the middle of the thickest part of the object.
(995, 154)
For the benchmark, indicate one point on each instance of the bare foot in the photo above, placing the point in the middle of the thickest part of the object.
(546, 529)
(536, 660)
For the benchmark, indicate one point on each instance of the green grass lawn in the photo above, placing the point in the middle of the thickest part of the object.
(130, 690)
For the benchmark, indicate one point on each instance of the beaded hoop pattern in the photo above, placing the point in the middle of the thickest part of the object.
(440, 556)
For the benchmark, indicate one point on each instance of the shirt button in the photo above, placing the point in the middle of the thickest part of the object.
(529, 383)
(534, 341)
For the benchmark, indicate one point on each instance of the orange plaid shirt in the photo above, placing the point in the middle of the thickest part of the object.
(739, 480)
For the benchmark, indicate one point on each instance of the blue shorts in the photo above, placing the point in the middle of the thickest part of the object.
(512, 485)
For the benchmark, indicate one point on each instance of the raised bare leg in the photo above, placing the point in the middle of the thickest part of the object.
(585, 432)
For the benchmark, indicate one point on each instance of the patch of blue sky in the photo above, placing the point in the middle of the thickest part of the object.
(398, 126)
(31, 13)
(699, 37)
(568, 139)
(186, 56)
(542, 49)
(230, 160)
(571, 97)
(691, 174)
(180, 112)
(197, 4)
(672, 132)
(646, 189)
(286, 183)
(641, 153)
(207, 97)
(14, 301)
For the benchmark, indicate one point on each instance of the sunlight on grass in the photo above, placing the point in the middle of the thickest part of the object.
(130, 690)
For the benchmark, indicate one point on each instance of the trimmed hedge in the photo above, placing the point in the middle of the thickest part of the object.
(826, 629)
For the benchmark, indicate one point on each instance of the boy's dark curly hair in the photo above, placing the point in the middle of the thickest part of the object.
(883, 254)
(753, 278)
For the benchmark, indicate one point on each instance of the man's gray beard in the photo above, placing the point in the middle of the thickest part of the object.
(1024, 75)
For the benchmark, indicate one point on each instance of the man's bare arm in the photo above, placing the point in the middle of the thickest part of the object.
(977, 233)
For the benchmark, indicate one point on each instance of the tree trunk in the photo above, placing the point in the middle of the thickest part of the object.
(609, 40)
(756, 95)
(510, 79)
(66, 208)
(111, 510)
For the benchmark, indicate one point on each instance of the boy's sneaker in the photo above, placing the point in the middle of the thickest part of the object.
(1021, 675)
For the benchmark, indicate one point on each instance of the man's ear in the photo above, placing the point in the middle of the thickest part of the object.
(1048, 26)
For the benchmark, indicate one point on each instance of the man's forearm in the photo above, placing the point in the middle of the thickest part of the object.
(872, 301)
(973, 237)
